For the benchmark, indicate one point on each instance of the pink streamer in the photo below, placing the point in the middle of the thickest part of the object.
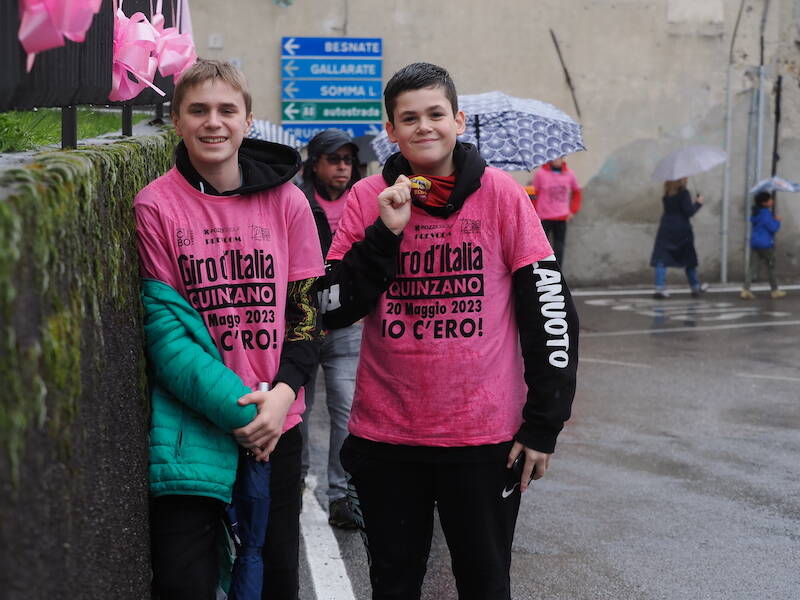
(45, 23)
(175, 51)
(135, 41)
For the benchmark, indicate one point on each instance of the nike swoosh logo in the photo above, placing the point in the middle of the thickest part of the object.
(507, 492)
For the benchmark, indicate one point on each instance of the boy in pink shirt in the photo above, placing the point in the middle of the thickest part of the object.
(557, 200)
(227, 241)
(447, 262)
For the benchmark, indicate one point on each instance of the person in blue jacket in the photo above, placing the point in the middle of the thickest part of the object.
(762, 242)
(674, 245)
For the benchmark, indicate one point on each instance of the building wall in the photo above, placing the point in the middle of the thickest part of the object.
(649, 77)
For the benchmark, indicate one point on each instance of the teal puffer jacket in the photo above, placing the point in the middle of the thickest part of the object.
(193, 396)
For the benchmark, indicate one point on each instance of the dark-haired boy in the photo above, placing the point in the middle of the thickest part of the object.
(229, 254)
(447, 261)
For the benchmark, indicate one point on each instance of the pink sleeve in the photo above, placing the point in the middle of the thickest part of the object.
(351, 227)
(154, 251)
(574, 182)
(524, 241)
(305, 255)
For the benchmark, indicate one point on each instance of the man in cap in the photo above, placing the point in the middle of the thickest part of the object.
(330, 170)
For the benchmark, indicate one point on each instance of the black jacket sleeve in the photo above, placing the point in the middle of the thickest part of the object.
(300, 350)
(548, 332)
(350, 288)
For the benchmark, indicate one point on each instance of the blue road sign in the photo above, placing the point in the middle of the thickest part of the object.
(315, 46)
(305, 131)
(344, 89)
(331, 68)
(331, 82)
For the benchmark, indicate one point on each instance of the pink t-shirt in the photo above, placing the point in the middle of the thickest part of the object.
(440, 358)
(333, 209)
(553, 192)
(232, 257)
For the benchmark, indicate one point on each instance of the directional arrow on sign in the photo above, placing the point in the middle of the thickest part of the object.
(290, 111)
(290, 90)
(373, 130)
(290, 46)
(290, 68)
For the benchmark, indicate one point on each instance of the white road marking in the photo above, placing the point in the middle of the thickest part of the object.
(613, 362)
(325, 562)
(775, 377)
(684, 329)
(677, 292)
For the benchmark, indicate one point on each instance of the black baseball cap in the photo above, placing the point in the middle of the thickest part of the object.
(328, 142)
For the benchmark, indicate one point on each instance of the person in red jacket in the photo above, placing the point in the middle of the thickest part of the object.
(558, 199)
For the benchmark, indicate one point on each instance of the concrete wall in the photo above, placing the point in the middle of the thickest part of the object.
(73, 414)
(649, 77)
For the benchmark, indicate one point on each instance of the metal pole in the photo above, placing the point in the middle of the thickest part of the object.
(69, 127)
(775, 139)
(749, 180)
(726, 180)
(127, 120)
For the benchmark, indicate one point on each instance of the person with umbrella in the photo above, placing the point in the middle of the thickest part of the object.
(762, 242)
(674, 245)
(557, 200)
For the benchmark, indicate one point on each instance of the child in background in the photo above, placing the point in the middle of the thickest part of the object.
(446, 260)
(229, 253)
(762, 242)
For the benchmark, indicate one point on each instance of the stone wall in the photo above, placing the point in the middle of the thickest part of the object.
(73, 411)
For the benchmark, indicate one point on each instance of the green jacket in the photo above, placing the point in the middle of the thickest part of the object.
(193, 399)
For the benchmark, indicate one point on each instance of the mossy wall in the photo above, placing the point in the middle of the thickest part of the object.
(73, 412)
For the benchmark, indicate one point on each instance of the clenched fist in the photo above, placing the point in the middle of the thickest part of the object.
(395, 205)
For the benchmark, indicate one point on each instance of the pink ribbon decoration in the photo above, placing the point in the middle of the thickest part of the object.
(45, 23)
(174, 50)
(135, 41)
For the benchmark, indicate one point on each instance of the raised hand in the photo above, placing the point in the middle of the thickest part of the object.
(395, 205)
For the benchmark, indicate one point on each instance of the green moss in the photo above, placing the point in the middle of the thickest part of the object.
(67, 253)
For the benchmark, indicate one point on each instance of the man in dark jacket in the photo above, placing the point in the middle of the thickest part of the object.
(328, 173)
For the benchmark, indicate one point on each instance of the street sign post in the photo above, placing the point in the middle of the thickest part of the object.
(331, 82)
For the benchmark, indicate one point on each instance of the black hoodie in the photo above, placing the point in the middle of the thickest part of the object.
(265, 165)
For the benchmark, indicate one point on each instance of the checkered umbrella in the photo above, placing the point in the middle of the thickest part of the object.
(513, 134)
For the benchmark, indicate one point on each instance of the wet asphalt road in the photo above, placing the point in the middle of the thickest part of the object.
(678, 476)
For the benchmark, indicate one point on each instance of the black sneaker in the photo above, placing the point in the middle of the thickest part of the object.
(341, 515)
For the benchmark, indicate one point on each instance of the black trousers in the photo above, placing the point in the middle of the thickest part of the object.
(395, 502)
(184, 535)
(557, 232)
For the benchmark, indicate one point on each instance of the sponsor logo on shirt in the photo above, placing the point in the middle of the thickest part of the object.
(221, 235)
(184, 237)
(432, 231)
(260, 234)
(471, 226)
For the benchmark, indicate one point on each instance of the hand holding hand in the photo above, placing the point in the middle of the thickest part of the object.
(536, 464)
(262, 433)
(395, 205)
